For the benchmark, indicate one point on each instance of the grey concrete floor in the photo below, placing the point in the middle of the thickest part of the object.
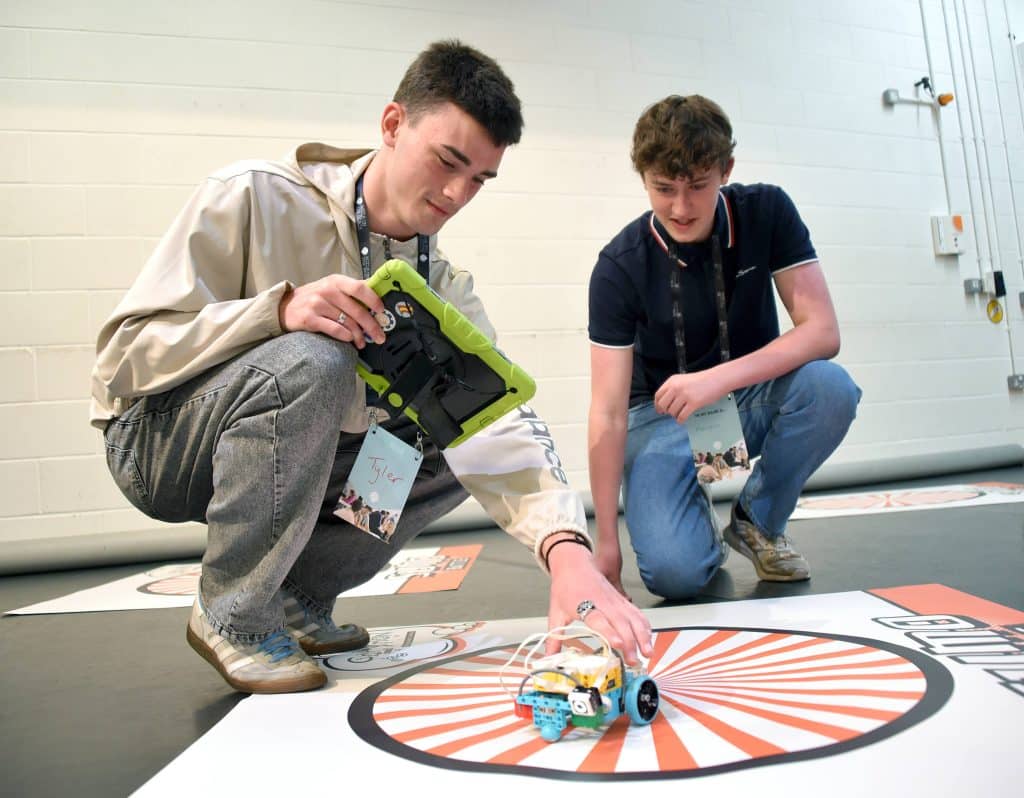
(94, 704)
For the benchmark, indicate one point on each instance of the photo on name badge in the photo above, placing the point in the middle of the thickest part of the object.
(722, 462)
(363, 513)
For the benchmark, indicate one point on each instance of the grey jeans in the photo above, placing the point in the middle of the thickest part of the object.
(252, 448)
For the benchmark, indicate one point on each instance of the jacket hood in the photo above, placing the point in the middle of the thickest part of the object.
(332, 170)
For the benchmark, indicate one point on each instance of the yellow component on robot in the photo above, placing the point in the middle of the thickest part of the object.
(610, 680)
(552, 683)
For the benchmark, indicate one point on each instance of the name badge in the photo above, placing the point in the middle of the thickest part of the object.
(716, 439)
(379, 483)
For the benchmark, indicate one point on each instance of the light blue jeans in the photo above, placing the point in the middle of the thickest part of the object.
(793, 422)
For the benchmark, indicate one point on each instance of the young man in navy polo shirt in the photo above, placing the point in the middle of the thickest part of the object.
(682, 314)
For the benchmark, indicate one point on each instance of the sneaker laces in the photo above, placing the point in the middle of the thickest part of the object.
(278, 646)
(777, 548)
(780, 544)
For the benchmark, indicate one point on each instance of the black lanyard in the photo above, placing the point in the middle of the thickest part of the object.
(675, 284)
(363, 234)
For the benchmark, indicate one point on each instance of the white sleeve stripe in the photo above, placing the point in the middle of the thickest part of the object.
(610, 346)
(795, 265)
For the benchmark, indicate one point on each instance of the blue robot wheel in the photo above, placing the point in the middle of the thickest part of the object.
(642, 700)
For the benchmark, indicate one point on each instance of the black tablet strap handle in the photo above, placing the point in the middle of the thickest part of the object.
(415, 386)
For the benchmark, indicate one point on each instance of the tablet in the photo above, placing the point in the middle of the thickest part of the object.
(435, 365)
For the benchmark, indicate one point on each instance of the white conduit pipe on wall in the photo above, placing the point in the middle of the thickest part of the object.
(1014, 61)
(1014, 67)
(1009, 173)
(963, 136)
(988, 254)
(937, 110)
(992, 222)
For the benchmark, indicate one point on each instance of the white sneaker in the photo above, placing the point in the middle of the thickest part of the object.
(274, 665)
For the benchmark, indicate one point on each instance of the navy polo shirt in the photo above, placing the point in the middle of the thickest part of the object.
(760, 233)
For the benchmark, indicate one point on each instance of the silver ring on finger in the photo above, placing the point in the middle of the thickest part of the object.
(341, 317)
(584, 608)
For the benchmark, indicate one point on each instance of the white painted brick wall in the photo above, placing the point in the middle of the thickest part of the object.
(111, 111)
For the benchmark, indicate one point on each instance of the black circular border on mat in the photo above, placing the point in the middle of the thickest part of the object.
(938, 689)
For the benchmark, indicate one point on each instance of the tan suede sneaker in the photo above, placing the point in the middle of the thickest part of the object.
(774, 559)
(275, 665)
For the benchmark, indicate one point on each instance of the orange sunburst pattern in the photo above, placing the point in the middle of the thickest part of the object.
(744, 694)
(457, 705)
(728, 696)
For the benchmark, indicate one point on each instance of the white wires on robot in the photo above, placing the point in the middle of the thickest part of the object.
(561, 633)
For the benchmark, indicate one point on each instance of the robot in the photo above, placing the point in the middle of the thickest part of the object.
(575, 688)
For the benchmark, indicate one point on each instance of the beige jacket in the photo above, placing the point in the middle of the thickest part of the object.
(212, 287)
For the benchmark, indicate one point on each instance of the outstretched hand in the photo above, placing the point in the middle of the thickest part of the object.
(575, 579)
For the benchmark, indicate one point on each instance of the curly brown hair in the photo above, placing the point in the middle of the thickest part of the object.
(680, 136)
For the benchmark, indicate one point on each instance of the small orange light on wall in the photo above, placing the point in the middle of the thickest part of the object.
(945, 99)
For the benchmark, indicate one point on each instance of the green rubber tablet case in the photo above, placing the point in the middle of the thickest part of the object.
(435, 365)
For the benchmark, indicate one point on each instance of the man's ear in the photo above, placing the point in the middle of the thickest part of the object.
(728, 170)
(390, 122)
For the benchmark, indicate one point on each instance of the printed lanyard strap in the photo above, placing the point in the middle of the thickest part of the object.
(363, 234)
(675, 283)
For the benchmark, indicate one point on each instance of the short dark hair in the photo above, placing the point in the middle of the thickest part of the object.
(450, 71)
(679, 136)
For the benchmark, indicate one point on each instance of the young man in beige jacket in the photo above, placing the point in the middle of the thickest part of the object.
(226, 387)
